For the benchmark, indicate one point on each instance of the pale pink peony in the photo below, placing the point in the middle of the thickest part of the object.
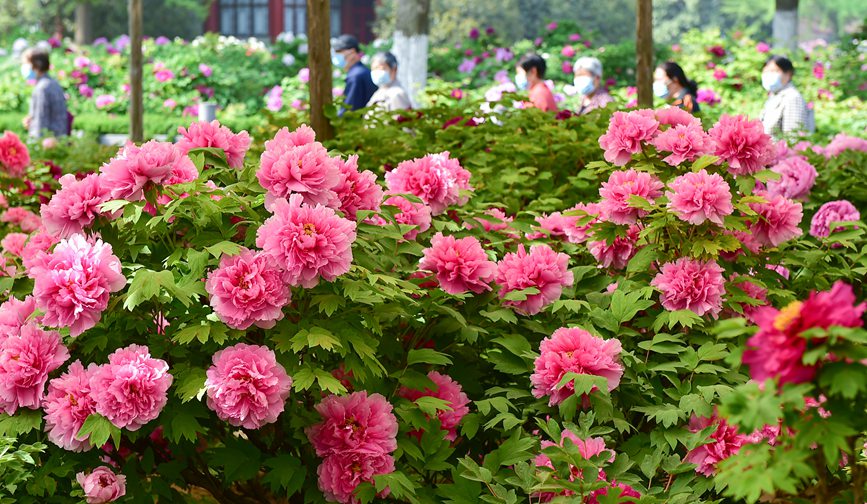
(26, 359)
(724, 442)
(620, 187)
(341, 473)
(541, 269)
(754, 291)
(73, 283)
(67, 405)
(307, 241)
(742, 143)
(777, 220)
(843, 142)
(617, 253)
(450, 391)
(36, 249)
(24, 218)
(14, 156)
(460, 264)
(247, 289)
(132, 389)
(436, 179)
(580, 229)
(690, 284)
(75, 206)
(14, 314)
(296, 163)
(674, 116)
(626, 133)
(13, 243)
(356, 190)
(102, 485)
(574, 350)
(135, 169)
(553, 225)
(797, 177)
(499, 221)
(213, 134)
(354, 422)
(246, 386)
(830, 212)
(411, 214)
(698, 196)
(685, 143)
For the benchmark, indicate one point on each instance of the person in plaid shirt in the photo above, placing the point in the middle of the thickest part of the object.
(48, 113)
(588, 83)
(785, 112)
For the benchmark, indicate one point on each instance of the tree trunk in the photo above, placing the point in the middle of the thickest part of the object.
(785, 27)
(411, 44)
(83, 30)
(319, 61)
(136, 111)
(644, 52)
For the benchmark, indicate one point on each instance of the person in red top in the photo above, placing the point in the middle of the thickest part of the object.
(530, 75)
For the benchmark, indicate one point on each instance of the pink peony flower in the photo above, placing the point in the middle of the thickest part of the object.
(620, 187)
(307, 241)
(553, 225)
(719, 74)
(617, 254)
(296, 163)
(460, 264)
(436, 179)
(541, 269)
(341, 473)
(626, 132)
(213, 134)
(698, 196)
(754, 291)
(247, 289)
(777, 220)
(26, 359)
(841, 143)
(574, 350)
(725, 441)
(674, 116)
(205, 70)
(830, 212)
(14, 315)
(580, 226)
(685, 143)
(797, 177)
(75, 206)
(14, 156)
(777, 349)
(103, 101)
(708, 96)
(25, 219)
(450, 391)
(411, 214)
(742, 143)
(72, 284)
(135, 169)
(762, 47)
(304, 75)
(67, 405)
(36, 249)
(131, 390)
(689, 284)
(102, 485)
(164, 75)
(13, 243)
(499, 221)
(568, 51)
(246, 386)
(355, 422)
(356, 190)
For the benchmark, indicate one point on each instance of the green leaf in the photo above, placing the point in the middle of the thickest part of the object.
(190, 383)
(703, 162)
(185, 426)
(223, 248)
(97, 429)
(287, 473)
(500, 315)
(22, 422)
(427, 356)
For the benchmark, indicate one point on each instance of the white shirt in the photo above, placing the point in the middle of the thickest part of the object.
(786, 112)
(391, 97)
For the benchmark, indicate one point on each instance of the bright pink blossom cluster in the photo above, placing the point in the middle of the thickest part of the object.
(689, 284)
(14, 156)
(27, 355)
(460, 264)
(620, 188)
(136, 169)
(542, 269)
(213, 134)
(102, 485)
(724, 442)
(797, 177)
(75, 207)
(830, 212)
(436, 179)
(449, 391)
(696, 197)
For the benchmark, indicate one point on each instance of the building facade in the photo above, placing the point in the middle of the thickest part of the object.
(265, 19)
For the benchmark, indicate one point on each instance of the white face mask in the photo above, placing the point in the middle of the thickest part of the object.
(27, 72)
(660, 89)
(583, 84)
(772, 81)
(380, 77)
(521, 81)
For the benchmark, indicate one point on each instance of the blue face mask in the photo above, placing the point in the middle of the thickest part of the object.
(583, 84)
(380, 77)
(521, 81)
(772, 81)
(27, 72)
(338, 60)
(660, 89)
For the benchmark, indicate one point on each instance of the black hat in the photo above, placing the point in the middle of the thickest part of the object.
(345, 42)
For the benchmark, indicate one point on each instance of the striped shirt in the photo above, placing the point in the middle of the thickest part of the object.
(48, 108)
(598, 100)
(786, 112)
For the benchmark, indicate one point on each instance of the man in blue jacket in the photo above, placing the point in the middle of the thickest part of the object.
(359, 85)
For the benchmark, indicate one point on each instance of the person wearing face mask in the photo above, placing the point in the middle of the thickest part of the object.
(346, 56)
(785, 112)
(390, 95)
(48, 113)
(530, 75)
(588, 84)
(671, 85)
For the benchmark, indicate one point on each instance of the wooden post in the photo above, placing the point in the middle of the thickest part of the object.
(644, 52)
(319, 61)
(136, 112)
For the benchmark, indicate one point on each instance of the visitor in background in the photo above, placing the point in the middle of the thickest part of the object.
(530, 75)
(671, 84)
(390, 95)
(47, 103)
(588, 85)
(359, 85)
(785, 112)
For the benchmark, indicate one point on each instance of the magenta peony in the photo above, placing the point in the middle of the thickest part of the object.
(450, 391)
(698, 196)
(797, 177)
(14, 156)
(460, 264)
(13, 243)
(356, 190)
(248, 288)
(742, 143)
(14, 314)
(542, 269)
(495, 220)
(246, 386)
(285, 139)
(690, 284)
(843, 142)
(354, 422)
(213, 134)
(131, 390)
(24, 218)
(626, 133)
(754, 291)
(292, 164)
(777, 221)
(72, 284)
(620, 187)
(830, 212)
(684, 142)
(574, 350)
(617, 253)
(436, 179)
(341, 473)
(307, 241)
(67, 405)
(102, 485)
(135, 169)
(724, 442)
(36, 249)
(25, 361)
(411, 214)
(579, 230)
(673, 116)
(75, 206)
